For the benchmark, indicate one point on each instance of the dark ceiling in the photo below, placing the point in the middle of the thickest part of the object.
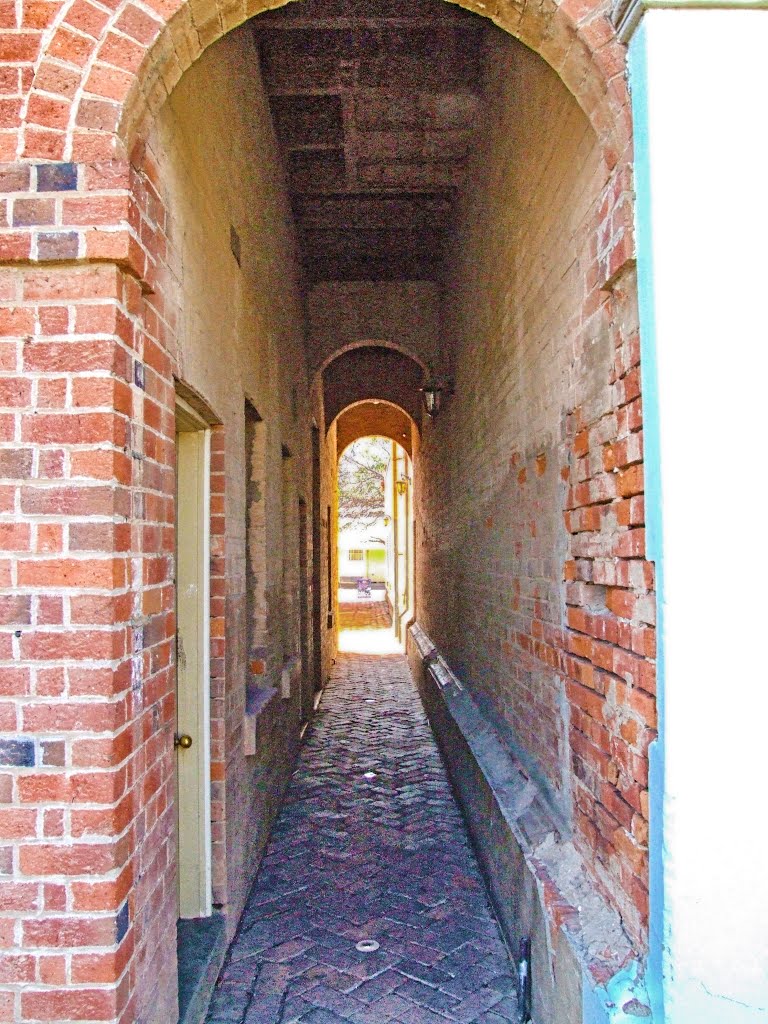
(376, 105)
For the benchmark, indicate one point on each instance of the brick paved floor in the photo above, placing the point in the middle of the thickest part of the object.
(360, 613)
(369, 845)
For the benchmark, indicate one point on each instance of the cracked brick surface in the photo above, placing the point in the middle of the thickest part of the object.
(369, 845)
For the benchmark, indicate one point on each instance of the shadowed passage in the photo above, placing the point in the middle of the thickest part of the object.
(369, 906)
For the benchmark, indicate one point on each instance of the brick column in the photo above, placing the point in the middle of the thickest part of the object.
(86, 606)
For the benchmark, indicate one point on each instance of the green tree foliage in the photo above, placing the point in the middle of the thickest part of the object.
(362, 473)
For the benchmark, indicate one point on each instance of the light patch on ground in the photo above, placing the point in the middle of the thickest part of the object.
(365, 625)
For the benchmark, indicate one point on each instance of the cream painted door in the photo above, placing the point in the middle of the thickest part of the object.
(192, 740)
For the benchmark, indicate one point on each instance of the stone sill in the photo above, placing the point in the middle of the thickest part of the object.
(257, 700)
(520, 799)
(600, 958)
(290, 677)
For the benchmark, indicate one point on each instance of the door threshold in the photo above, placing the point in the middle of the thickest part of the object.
(201, 946)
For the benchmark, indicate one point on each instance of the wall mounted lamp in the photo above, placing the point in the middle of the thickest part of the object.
(432, 395)
(401, 486)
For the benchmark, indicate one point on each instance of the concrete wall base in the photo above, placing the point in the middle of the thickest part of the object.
(583, 967)
(201, 947)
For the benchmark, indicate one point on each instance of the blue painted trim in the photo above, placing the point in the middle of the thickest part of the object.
(605, 1004)
(638, 80)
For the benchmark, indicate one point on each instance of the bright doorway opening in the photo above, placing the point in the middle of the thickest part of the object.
(374, 545)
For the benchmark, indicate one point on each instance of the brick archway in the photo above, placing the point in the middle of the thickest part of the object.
(87, 88)
(374, 417)
(371, 373)
(98, 74)
(391, 346)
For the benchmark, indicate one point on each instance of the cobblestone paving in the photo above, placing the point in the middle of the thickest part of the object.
(369, 846)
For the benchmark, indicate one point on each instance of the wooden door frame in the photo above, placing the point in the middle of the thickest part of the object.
(196, 900)
(317, 564)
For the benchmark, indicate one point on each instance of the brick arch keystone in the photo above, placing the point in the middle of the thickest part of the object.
(106, 67)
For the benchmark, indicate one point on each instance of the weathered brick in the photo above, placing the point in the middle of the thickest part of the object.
(95, 320)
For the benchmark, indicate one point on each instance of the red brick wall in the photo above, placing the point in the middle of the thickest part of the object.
(86, 692)
(87, 713)
(611, 616)
(235, 331)
(534, 520)
(218, 664)
(87, 344)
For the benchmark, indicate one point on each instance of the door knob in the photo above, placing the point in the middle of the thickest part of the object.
(182, 740)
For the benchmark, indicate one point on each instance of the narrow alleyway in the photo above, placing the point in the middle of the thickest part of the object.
(370, 845)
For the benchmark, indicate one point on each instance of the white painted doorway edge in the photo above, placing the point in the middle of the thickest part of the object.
(199, 904)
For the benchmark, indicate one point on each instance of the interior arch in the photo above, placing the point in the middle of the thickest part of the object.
(368, 374)
(393, 346)
(374, 417)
